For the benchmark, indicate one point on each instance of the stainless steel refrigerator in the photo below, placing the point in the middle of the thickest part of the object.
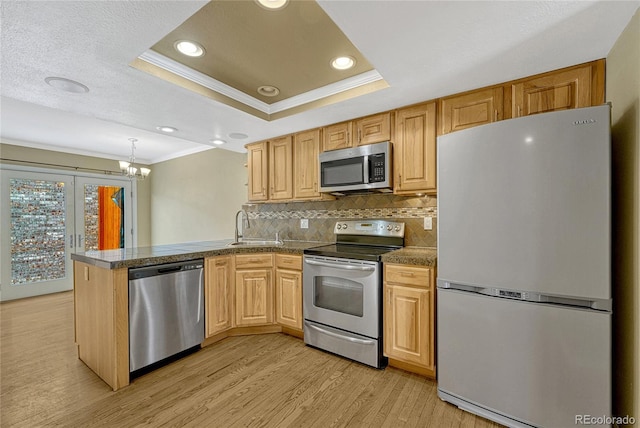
(524, 290)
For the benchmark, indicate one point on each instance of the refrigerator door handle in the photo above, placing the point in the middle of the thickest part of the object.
(604, 305)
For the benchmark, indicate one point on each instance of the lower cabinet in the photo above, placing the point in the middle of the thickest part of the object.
(254, 290)
(289, 291)
(251, 290)
(218, 294)
(409, 334)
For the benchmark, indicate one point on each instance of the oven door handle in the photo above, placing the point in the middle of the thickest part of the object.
(339, 336)
(337, 266)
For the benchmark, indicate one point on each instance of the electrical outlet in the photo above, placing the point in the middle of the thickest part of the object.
(428, 223)
(304, 223)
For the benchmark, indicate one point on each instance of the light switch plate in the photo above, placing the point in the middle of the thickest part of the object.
(428, 223)
(304, 223)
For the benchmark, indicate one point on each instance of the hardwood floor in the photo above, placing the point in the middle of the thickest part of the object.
(269, 380)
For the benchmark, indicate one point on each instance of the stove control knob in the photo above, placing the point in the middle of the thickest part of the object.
(338, 226)
(389, 227)
(397, 228)
(344, 225)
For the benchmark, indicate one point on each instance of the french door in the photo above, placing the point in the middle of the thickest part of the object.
(45, 217)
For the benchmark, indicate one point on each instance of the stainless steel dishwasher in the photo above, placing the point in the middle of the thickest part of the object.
(166, 313)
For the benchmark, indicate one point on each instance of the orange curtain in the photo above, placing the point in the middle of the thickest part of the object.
(109, 219)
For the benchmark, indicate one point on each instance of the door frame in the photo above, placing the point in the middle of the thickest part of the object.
(68, 176)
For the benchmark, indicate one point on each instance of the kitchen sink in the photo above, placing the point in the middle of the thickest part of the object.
(255, 243)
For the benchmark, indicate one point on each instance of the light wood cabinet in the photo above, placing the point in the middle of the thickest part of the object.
(337, 136)
(414, 149)
(258, 170)
(373, 129)
(253, 289)
(367, 130)
(471, 109)
(101, 302)
(305, 165)
(409, 333)
(289, 291)
(280, 168)
(575, 87)
(218, 294)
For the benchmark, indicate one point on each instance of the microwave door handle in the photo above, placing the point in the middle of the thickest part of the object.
(365, 167)
(339, 266)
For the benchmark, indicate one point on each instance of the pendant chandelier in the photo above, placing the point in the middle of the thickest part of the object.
(130, 169)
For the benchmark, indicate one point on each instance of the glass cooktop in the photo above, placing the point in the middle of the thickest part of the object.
(351, 251)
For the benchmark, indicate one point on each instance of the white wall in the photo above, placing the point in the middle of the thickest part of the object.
(623, 90)
(195, 198)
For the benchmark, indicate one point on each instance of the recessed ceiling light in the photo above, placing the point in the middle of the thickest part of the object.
(343, 62)
(218, 141)
(238, 135)
(272, 4)
(268, 91)
(189, 48)
(167, 129)
(66, 85)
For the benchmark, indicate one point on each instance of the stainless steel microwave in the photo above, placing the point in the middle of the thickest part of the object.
(359, 168)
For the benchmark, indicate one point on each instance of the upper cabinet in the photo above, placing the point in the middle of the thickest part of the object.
(258, 168)
(470, 109)
(575, 87)
(367, 130)
(373, 129)
(280, 168)
(414, 150)
(306, 150)
(337, 136)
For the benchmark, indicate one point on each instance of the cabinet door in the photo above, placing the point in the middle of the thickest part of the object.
(289, 298)
(408, 321)
(337, 136)
(254, 297)
(218, 294)
(258, 167)
(280, 168)
(554, 91)
(305, 164)
(373, 129)
(469, 110)
(415, 150)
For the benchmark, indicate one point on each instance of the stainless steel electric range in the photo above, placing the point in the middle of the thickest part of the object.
(343, 290)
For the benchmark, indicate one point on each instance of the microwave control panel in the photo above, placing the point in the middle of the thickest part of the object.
(377, 168)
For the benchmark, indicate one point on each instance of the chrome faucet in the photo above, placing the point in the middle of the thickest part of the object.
(243, 217)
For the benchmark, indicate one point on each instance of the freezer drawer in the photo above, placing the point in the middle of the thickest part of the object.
(534, 363)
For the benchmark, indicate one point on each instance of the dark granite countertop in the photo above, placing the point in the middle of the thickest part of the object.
(159, 254)
(420, 256)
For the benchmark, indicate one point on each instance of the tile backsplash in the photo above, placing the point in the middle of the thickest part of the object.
(267, 219)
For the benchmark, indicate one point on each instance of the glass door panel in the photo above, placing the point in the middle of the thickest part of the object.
(37, 234)
(102, 214)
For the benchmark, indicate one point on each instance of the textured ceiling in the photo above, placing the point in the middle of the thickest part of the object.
(422, 49)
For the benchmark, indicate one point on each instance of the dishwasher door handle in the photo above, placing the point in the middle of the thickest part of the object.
(170, 269)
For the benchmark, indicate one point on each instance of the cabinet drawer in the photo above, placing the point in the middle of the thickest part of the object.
(288, 261)
(251, 261)
(408, 275)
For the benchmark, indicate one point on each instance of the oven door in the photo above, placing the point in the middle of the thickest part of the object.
(343, 293)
